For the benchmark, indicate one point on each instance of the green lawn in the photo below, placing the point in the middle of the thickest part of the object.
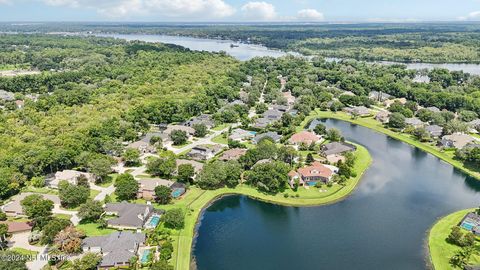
(24, 252)
(62, 216)
(196, 199)
(371, 123)
(222, 139)
(93, 229)
(93, 193)
(181, 145)
(43, 190)
(221, 127)
(108, 181)
(440, 250)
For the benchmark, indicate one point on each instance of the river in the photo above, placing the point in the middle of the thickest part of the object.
(382, 225)
(246, 52)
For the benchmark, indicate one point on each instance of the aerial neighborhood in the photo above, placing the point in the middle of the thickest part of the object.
(114, 174)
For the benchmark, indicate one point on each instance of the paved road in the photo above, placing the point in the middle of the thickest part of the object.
(40, 262)
(206, 140)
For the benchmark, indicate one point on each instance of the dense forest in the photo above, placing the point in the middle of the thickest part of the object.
(423, 42)
(93, 94)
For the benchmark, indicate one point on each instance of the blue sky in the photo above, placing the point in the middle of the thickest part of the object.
(239, 10)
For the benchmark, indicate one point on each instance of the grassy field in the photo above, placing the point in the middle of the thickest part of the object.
(25, 252)
(196, 199)
(371, 123)
(93, 229)
(440, 250)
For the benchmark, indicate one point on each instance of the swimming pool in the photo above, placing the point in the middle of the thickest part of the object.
(467, 226)
(154, 221)
(178, 192)
(145, 255)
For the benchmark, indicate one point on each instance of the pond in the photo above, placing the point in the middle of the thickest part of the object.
(382, 225)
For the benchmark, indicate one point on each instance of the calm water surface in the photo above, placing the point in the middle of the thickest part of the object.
(248, 51)
(382, 225)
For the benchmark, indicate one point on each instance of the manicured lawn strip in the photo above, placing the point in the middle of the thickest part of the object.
(93, 193)
(93, 229)
(220, 127)
(440, 250)
(181, 145)
(371, 123)
(63, 216)
(220, 139)
(198, 199)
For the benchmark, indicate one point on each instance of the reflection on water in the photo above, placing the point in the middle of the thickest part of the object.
(381, 226)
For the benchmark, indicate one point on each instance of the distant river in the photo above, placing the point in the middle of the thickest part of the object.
(383, 225)
(248, 51)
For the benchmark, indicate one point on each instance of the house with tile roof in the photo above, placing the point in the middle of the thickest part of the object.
(310, 175)
(304, 137)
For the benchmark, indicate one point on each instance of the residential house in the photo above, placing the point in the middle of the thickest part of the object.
(361, 111)
(379, 96)
(337, 148)
(471, 222)
(129, 216)
(170, 128)
(289, 97)
(146, 188)
(262, 123)
(71, 176)
(15, 227)
(304, 137)
(148, 137)
(204, 152)
(7, 96)
(233, 154)
(117, 249)
(272, 135)
(281, 108)
(197, 166)
(435, 131)
(14, 207)
(142, 146)
(205, 119)
(414, 122)
(456, 140)
(383, 116)
(389, 102)
(241, 135)
(237, 102)
(273, 114)
(310, 175)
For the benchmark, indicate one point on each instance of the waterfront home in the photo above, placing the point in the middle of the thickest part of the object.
(129, 216)
(310, 175)
(117, 249)
(170, 128)
(15, 227)
(146, 188)
(337, 148)
(303, 137)
(471, 222)
(361, 111)
(14, 207)
(272, 135)
(205, 119)
(71, 176)
(204, 152)
(241, 135)
(379, 96)
(233, 154)
(456, 140)
(435, 131)
(383, 116)
(7, 96)
(414, 122)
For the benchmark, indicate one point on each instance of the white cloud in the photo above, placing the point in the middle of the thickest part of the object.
(310, 15)
(259, 11)
(473, 16)
(205, 9)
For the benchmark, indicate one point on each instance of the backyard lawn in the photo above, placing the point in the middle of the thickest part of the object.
(440, 250)
(94, 229)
